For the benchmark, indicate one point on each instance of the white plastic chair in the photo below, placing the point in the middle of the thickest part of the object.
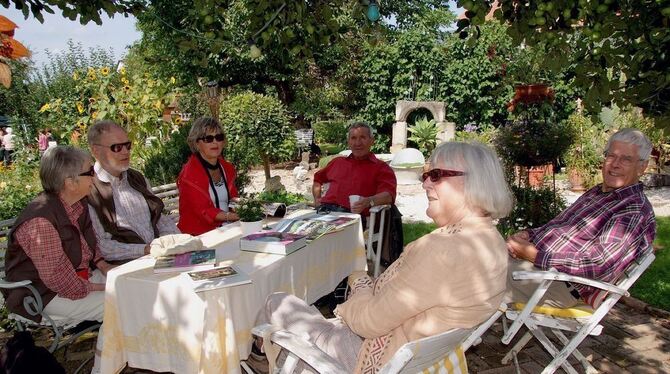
(412, 357)
(375, 240)
(556, 319)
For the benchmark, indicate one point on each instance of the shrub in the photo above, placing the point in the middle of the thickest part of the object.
(424, 134)
(284, 197)
(533, 208)
(333, 132)
(18, 187)
(250, 210)
(164, 162)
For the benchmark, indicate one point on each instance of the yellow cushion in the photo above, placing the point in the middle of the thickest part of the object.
(578, 311)
(453, 363)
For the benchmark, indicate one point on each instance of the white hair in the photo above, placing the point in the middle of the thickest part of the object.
(635, 137)
(59, 163)
(485, 187)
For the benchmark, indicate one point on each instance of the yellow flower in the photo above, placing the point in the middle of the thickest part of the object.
(125, 102)
(3, 185)
(80, 107)
(122, 71)
(91, 70)
(44, 108)
(91, 76)
(178, 120)
(173, 80)
(158, 104)
(104, 71)
(94, 115)
(125, 81)
(28, 186)
(75, 76)
(126, 88)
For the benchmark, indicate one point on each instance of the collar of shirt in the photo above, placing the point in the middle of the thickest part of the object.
(73, 211)
(106, 177)
(371, 157)
(623, 192)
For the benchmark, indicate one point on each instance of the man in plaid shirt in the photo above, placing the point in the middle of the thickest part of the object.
(597, 236)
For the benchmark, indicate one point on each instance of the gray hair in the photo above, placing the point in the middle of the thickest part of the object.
(635, 137)
(485, 185)
(59, 163)
(200, 128)
(360, 125)
(95, 132)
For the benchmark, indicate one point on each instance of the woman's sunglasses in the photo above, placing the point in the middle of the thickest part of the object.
(89, 173)
(211, 138)
(437, 174)
(117, 147)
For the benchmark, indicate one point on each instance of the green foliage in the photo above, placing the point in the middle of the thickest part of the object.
(257, 127)
(333, 132)
(20, 184)
(533, 208)
(330, 149)
(616, 44)
(534, 137)
(414, 230)
(470, 133)
(325, 160)
(653, 286)
(284, 197)
(86, 10)
(250, 209)
(584, 156)
(424, 134)
(164, 161)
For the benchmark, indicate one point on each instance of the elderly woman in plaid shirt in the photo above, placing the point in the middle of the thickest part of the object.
(598, 235)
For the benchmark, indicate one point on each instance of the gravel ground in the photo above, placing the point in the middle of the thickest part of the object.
(412, 202)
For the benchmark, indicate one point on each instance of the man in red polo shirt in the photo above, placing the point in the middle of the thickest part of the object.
(361, 173)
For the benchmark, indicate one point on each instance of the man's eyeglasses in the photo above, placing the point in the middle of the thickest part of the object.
(623, 160)
(437, 174)
(89, 173)
(211, 138)
(117, 147)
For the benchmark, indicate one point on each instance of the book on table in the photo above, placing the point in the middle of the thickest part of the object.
(219, 277)
(314, 226)
(199, 260)
(275, 242)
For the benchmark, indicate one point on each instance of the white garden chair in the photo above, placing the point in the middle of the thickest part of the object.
(375, 239)
(580, 320)
(441, 353)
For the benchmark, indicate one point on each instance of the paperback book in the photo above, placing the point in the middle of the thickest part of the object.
(314, 226)
(186, 261)
(225, 276)
(273, 242)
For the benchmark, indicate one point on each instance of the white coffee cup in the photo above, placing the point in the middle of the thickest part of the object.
(353, 199)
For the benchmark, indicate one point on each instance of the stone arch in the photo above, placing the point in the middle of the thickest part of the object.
(404, 108)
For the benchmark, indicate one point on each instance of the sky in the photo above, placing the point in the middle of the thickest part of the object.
(118, 33)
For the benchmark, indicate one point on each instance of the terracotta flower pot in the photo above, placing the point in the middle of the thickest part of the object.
(536, 176)
(576, 181)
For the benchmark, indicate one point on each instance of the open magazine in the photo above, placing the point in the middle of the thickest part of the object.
(315, 225)
(225, 276)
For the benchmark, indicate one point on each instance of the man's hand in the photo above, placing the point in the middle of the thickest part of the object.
(104, 267)
(97, 286)
(360, 205)
(147, 249)
(520, 247)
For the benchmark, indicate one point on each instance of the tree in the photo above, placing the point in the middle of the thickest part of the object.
(622, 46)
(88, 10)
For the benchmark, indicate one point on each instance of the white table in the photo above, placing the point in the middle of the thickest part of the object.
(157, 322)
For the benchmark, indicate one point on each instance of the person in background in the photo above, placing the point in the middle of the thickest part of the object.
(207, 181)
(360, 173)
(598, 236)
(8, 145)
(453, 277)
(42, 141)
(2, 144)
(126, 215)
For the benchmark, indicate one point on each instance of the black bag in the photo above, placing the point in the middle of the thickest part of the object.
(20, 355)
(393, 239)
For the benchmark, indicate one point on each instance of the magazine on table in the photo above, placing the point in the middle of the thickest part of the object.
(275, 242)
(219, 277)
(314, 226)
(186, 261)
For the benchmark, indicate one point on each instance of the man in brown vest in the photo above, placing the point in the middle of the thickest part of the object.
(126, 215)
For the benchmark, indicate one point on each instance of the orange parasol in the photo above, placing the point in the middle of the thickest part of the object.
(6, 26)
(9, 48)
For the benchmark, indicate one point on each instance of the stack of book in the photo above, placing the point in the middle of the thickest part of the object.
(199, 260)
(280, 243)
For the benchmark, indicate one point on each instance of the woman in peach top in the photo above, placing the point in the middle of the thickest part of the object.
(453, 277)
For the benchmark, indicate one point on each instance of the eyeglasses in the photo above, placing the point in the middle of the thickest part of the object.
(437, 174)
(117, 147)
(89, 173)
(211, 138)
(623, 160)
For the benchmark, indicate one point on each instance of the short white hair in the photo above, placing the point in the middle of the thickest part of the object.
(485, 187)
(632, 136)
(59, 163)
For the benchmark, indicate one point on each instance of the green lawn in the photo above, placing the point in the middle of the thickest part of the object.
(654, 285)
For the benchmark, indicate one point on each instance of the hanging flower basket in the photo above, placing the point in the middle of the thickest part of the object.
(531, 94)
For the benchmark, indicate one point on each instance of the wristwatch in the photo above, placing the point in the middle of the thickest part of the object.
(372, 202)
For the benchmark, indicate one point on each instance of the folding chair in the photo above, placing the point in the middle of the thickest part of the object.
(582, 320)
(35, 306)
(375, 238)
(445, 351)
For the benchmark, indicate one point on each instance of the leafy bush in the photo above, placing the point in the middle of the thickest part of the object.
(533, 208)
(164, 162)
(325, 160)
(284, 197)
(333, 132)
(472, 132)
(584, 156)
(18, 187)
(258, 129)
(424, 134)
(250, 209)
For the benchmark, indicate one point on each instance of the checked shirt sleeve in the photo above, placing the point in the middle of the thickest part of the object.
(593, 258)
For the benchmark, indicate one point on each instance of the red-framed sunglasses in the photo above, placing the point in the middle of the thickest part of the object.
(437, 174)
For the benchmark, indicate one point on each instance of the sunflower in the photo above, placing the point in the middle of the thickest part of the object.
(75, 76)
(122, 71)
(44, 108)
(126, 88)
(158, 104)
(125, 81)
(178, 121)
(91, 76)
(80, 107)
(104, 71)
(94, 115)
(91, 100)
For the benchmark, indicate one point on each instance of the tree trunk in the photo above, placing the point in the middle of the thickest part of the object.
(266, 165)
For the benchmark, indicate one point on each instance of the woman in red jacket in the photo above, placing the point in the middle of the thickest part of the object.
(206, 183)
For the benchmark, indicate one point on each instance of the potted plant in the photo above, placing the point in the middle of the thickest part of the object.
(250, 211)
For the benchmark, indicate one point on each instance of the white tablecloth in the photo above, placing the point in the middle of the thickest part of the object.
(157, 322)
